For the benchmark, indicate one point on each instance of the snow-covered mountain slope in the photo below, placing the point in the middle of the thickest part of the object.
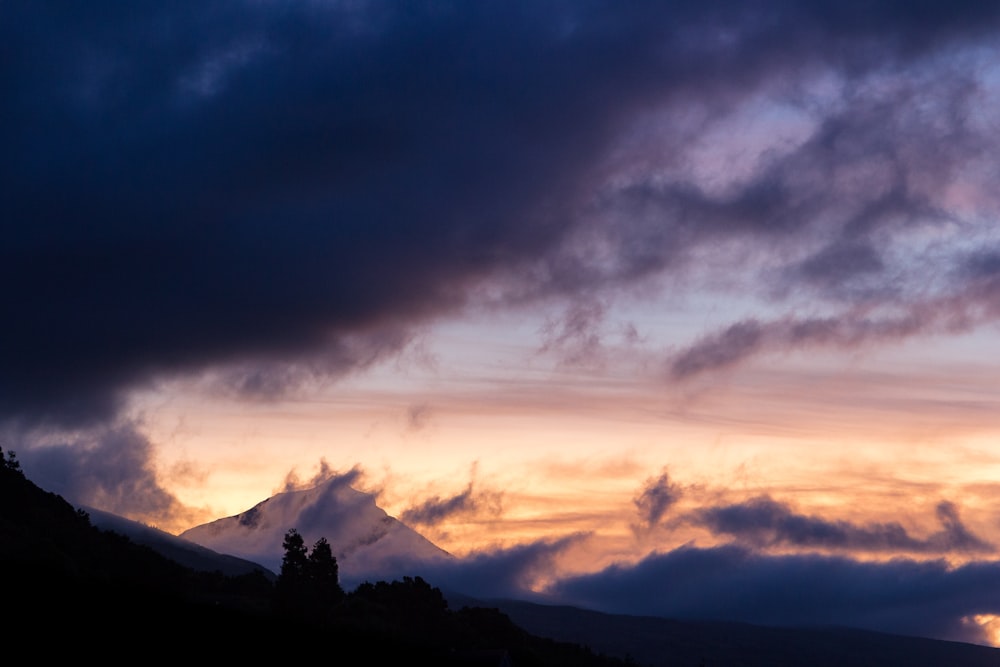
(369, 544)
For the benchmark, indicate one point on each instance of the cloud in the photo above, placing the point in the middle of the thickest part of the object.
(657, 496)
(726, 348)
(954, 536)
(235, 188)
(325, 474)
(921, 598)
(576, 336)
(763, 522)
(436, 510)
(265, 379)
(109, 468)
(510, 572)
(418, 416)
(853, 328)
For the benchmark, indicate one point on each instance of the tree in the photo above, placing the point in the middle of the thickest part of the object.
(309, 582)
(295, 560)
(10, 462)
(323, 572)
(290, 588)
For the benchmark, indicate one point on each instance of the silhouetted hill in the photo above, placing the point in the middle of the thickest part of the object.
(72, 591)
(660, 642)
(185, 552)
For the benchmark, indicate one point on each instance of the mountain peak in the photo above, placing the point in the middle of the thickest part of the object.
(367, 542)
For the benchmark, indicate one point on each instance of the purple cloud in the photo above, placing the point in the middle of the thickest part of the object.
(657, 496)
(764, 522)
(109, 468)
(165, 215)
(920, 598)
(436, 509)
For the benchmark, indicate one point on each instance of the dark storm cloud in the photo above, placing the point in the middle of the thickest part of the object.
(918, 598)
(875, 164)
(265, 379)
(764, 522)
(110, 468)
(221, 184)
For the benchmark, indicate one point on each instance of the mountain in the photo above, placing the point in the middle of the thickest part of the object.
(179, 550)
(73, 591)
(661, 642)
(368, 543)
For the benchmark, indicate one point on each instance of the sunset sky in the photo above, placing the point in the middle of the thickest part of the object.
(646, 295)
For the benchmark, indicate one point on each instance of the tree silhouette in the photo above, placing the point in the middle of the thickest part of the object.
(10, 461)
(323, 572)
(290, 588)
(295, 560)
(309, 583)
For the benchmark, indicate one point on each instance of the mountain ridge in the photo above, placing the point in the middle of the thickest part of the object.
(187, 553)
(368, 543)
(663, 642)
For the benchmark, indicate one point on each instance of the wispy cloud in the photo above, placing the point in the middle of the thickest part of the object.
(656, 497)
(763, 522)
(470, 502)
(854, 328)
(325, 474)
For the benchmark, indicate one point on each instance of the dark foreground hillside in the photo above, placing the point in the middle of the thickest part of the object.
(70, 590)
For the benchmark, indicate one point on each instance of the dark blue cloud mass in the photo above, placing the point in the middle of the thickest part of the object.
(194, 185)
(921, 598)
(509, 572)
(764, 522)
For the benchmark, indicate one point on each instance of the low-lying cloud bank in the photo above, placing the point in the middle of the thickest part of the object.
(764, 522)
(925, 598)
(904, 596)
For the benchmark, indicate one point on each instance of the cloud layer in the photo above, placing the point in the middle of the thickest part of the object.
(764, 522)
(921, 598)
(246, 186)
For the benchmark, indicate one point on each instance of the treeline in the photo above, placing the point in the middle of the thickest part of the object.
(402, 618)
(94, 593)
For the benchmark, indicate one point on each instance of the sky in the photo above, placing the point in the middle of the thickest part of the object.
(661, 300)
